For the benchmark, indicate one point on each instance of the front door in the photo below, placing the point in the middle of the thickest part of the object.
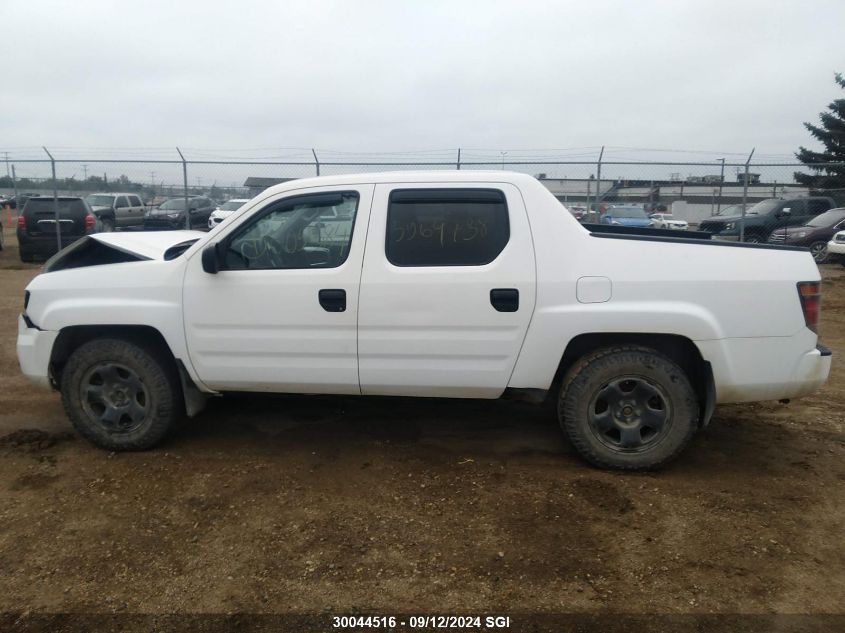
(281, 315)
(447, 290)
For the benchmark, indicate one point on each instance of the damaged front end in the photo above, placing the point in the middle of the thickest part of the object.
(101, 249)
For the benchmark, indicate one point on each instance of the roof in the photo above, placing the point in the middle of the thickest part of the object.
(259, 181)
(406, 177)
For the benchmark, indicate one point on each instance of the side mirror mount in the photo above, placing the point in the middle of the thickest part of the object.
(210, 259)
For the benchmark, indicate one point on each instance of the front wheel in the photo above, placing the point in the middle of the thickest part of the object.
(628, 408)
(119, 395)
(754, 239)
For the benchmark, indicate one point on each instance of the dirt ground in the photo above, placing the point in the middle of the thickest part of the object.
(342, 505)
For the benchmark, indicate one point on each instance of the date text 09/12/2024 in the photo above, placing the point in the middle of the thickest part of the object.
(421, 622)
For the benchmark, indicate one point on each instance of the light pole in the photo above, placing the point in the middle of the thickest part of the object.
(503, 159)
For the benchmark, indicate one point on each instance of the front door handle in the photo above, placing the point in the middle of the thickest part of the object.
(505, 299)
(333, 300)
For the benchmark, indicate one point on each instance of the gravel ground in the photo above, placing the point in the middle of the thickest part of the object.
(339, 505)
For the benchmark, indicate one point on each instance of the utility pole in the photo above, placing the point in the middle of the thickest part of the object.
(503, 159)
(7, 163)
(85, 173)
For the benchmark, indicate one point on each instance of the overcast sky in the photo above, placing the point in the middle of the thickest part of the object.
(371, 76)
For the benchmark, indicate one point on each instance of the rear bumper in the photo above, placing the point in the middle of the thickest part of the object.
(34, 349)
(44, 245)
(766, 368)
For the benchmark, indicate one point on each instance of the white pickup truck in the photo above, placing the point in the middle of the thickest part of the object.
(435, 284)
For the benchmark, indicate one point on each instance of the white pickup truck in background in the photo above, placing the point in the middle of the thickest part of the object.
(436, 284)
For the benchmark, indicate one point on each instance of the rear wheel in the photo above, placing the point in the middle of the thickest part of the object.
(26, 256)
(106, 225)
(819, 252)
(119, 395)
(628, 408)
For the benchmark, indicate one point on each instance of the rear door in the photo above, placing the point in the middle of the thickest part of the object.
(136, 211)
(447, 290)
(122, 216)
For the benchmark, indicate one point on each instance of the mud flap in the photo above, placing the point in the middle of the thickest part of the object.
(194, 398)
(709, 405)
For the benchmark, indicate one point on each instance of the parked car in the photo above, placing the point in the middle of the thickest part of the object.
(579, 213)
(18, 201)
(225, 210)
(836, 248)
(667, 221)
(36, 228)
(626, 215)
(117, 210)
(814, 235)
(431, 284)
(171, 213)
(766, 216)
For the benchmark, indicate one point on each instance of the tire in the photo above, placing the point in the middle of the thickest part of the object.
(106, 225)
(754, 238)
(26, 257)
(819, 252)
(120, 396)
(600, 418)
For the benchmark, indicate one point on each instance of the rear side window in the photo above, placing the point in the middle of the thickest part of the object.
(446, 227)
(45, 206)
(121, 202)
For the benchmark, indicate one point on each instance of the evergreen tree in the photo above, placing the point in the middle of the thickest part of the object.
(831, 134)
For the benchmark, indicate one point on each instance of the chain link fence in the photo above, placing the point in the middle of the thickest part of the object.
(698, 192)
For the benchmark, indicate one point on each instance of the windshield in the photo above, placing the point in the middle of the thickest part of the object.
(762, 208)
(100, 201)
(627, 212)
(175, 204)
(828, 218)
(232, 205)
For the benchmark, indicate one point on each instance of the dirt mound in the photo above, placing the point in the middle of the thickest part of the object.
(32, 440)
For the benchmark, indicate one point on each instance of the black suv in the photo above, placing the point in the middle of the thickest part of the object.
(171, 213)
(37, 225)
(766, 216)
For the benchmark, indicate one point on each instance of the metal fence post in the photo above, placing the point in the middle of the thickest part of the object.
(744, 197)
(55, 200)
(185, 182)
(459, 159)
(721, 182)
(316, 160)
(15, 189)
(598, 178)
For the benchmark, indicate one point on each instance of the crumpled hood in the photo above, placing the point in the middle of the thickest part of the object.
(100, 249)
(146, 244)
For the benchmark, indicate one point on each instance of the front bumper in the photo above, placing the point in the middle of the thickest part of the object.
(725, 238)
(34, 349)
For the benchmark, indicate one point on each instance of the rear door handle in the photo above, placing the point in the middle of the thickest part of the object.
(505, 299)
(333, 300)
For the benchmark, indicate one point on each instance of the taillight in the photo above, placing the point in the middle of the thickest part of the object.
(90, 222)
(810, 294)
(21, 222)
